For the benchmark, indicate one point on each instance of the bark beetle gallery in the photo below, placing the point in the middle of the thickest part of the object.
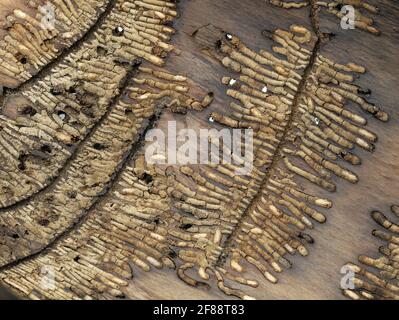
(78, 197)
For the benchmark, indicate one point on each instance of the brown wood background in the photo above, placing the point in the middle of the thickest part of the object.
(347, 232)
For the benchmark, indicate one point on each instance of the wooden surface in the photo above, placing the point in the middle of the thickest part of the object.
(347, 231)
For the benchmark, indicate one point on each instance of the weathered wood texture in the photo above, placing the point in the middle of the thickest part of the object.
(346, 234)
